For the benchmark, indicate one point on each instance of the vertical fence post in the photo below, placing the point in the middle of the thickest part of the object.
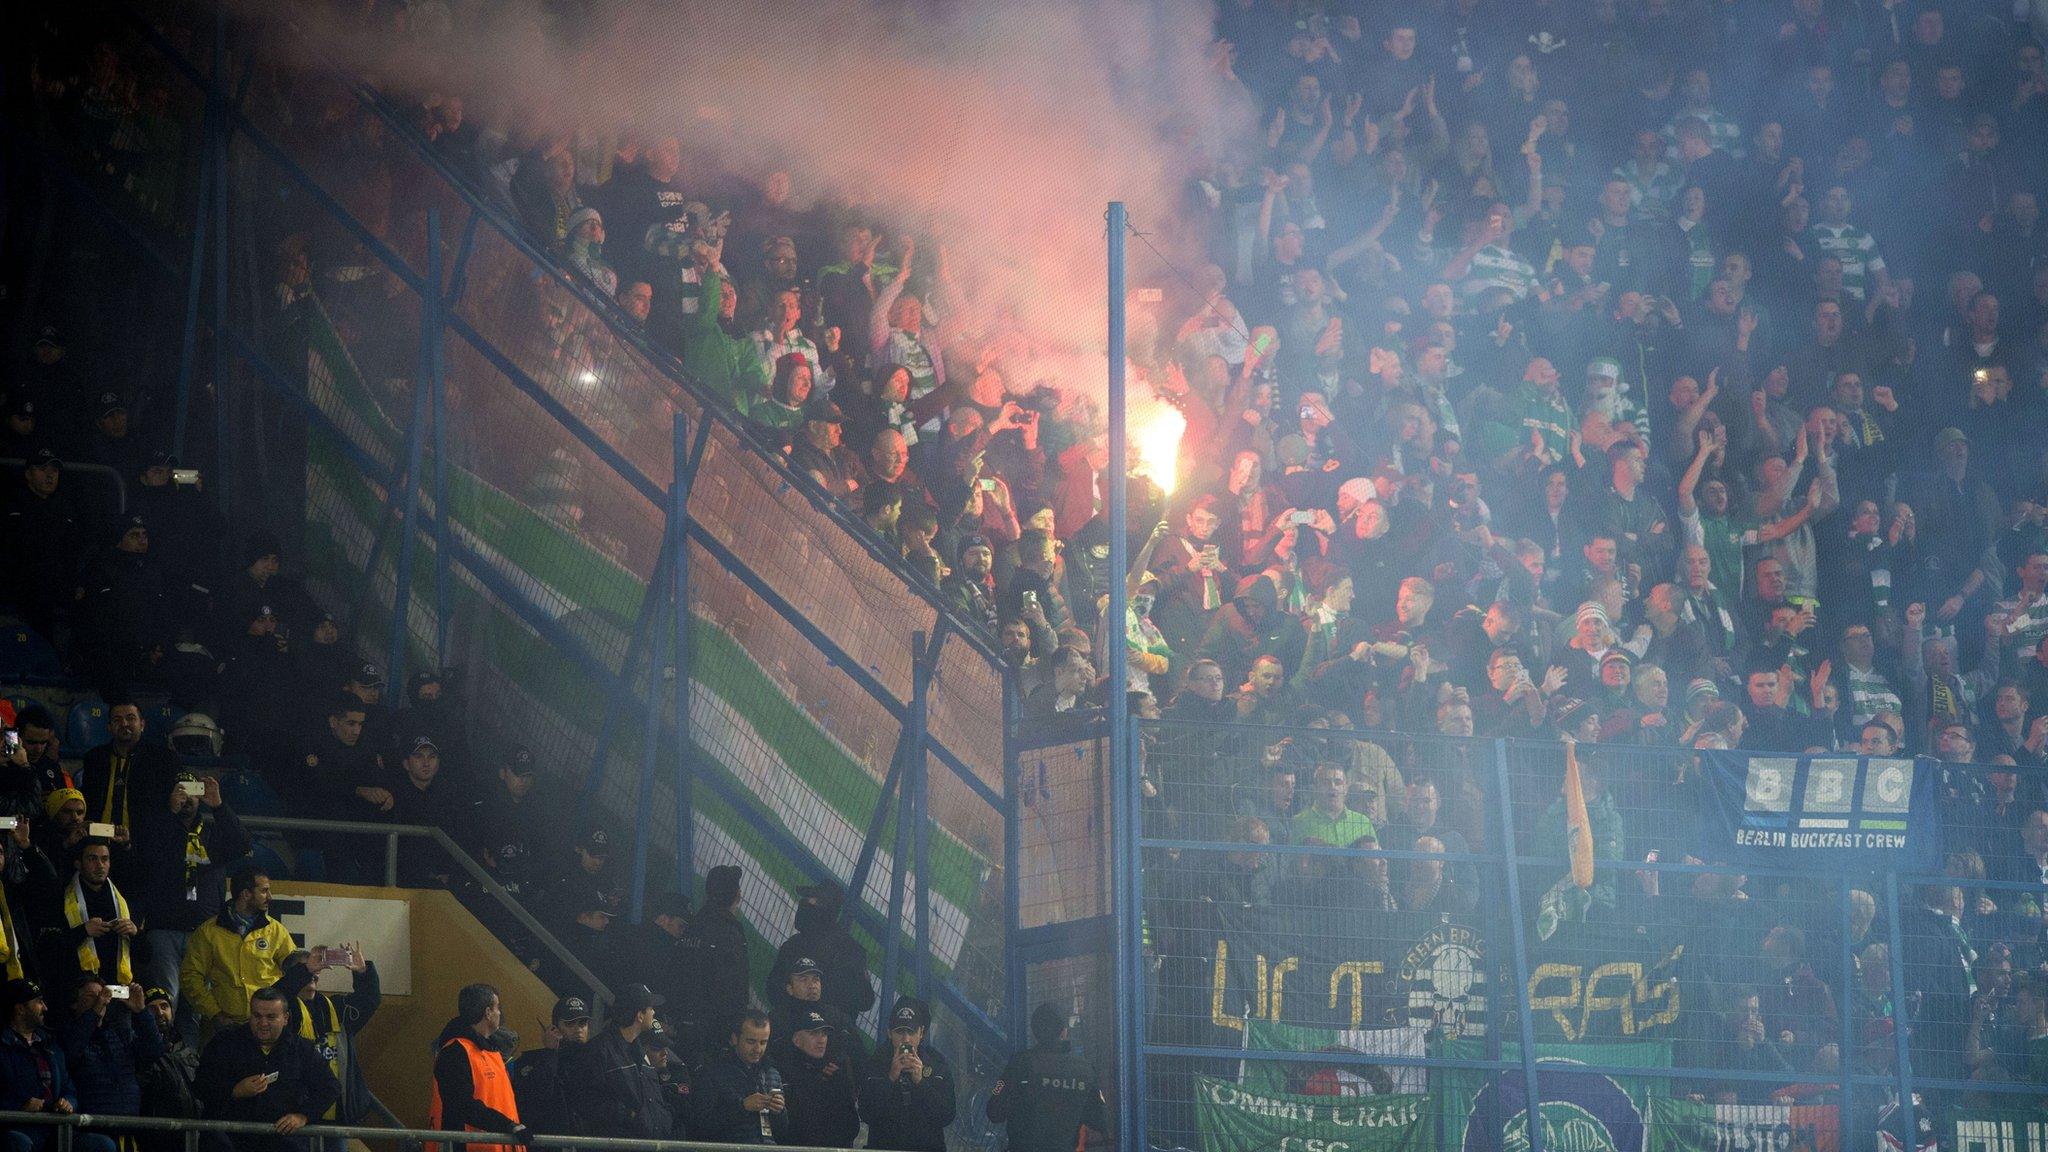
(223, 427)
(899, 860)
(615, 702)
(1845, 1110)
(1901, 1048)
(415, 444)
(391, 860)
(1511, 866)
(650, 750)
(925, 659)
(434, 323)
(195, 274)
(1130, 908)
(1014, 975)
(679, 605)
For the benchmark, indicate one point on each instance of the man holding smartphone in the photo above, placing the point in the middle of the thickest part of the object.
(264, 1072)
(185, 840)
(906, 1097)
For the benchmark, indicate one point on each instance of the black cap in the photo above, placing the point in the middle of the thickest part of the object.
(635, 998)
(419, 742)
(43, 457)
(521, 761)
(368, 674)
(16, 992)
(21, 404)
(805, 964)
(132, 520)
(153, 994)
(966, 542)
(722, 882)
(50, 336)
(571, 1008)
(809, 1021)
(597, 842)
(910, 1014)
(159, 459)
(108, 402)
(657, 1037)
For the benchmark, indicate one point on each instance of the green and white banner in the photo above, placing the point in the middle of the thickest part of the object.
(1232, 1118)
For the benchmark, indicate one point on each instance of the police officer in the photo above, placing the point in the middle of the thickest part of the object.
(906, 1095)
(1047, 1094)
(819, 1083)
(538, 1078)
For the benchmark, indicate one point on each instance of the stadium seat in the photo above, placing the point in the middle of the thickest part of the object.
(85, 725)
(26, 656)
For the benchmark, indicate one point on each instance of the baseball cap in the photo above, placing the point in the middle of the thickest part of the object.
(369, 674)
(570, 1008)
(1606, 366)
(810, 1021)
(44, 458)
(598, 842)
(521, 761)
(722, 882)
(19, 991)
(108, 402)
(634, 998)
(658, 1037)
(419, 742)
(805, 964)
(152, 995)
(22, 404)
(910, 1014)
(1948, 436)
(967, 543)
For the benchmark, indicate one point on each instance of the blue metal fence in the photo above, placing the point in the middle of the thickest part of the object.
(888, 662)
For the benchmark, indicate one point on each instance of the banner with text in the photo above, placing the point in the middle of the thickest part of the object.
(1232, 1118)
(1696, 1126)
(1823, 812)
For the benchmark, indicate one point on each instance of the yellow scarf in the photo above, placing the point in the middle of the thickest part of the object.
(10, 946)
(117, 785)
(88, 955)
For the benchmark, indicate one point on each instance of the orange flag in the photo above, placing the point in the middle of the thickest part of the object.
(1578, 827)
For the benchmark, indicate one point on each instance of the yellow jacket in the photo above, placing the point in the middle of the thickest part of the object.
(222, 966)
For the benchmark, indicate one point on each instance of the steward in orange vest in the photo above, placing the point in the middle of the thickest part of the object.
(472, 1087)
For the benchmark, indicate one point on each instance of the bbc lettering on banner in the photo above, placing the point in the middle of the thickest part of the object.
(1824, 812)
(1231, 1118)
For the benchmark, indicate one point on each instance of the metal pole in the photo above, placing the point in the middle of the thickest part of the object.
(223, 427)
(1129, 906)
(1015, 975)
(1847, 1039)
(926, 656)
(871, 841)
(391, 861)
(196, 274)
(401, 578)
(650, 749)
(1531, 1082)
(434, 333)
(1900, 1047)
(615, 702)
(899, 859)
(679, 605)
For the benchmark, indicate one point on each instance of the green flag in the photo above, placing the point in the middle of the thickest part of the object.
(1582, 1112)
(1343, 1075)
(1229, 1118)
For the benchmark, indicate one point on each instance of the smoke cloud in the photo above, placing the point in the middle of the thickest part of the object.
(996, 127)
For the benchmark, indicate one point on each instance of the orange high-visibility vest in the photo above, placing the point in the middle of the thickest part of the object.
(492, 1084)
